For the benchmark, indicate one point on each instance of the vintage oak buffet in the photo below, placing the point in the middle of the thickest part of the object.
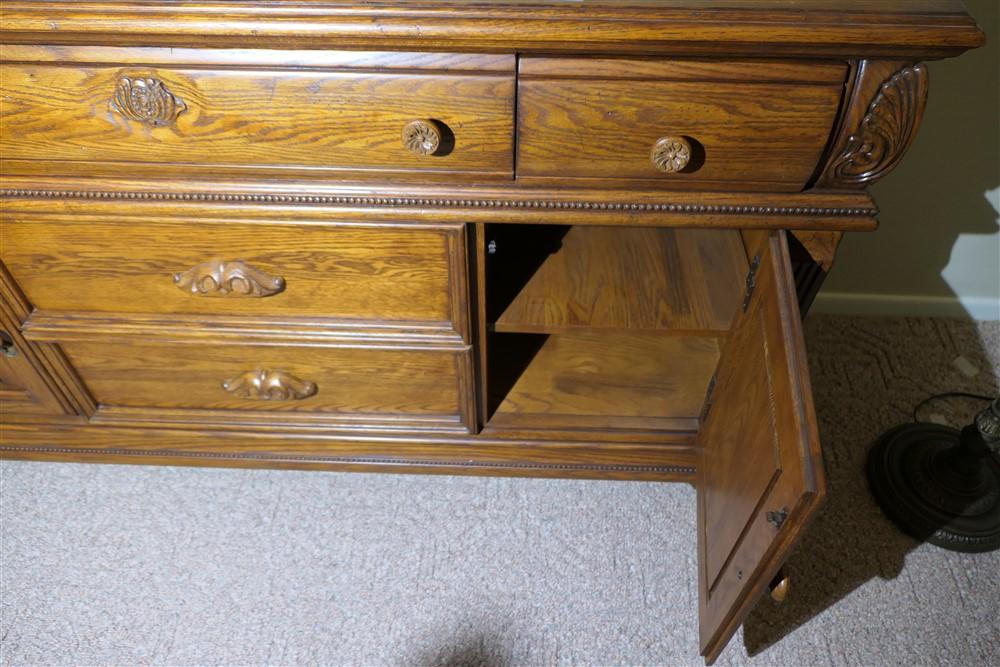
(521, 237)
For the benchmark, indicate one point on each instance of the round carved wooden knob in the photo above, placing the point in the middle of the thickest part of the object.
(421, 137)
(779, 587)
(671, 154)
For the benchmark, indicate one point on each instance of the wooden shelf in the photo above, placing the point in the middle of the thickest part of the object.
(601, 380)
(687, 281)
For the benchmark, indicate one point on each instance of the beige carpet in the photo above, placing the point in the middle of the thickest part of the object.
(135, 565)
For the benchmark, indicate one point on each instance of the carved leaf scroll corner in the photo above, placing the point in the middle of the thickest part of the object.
(886, 131)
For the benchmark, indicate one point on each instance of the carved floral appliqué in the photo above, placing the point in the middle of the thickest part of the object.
(671, 154)
(421, 137)
(146, 100)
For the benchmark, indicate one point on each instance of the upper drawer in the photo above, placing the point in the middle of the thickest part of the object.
(188, 111)
(748, 125)
(390, 273)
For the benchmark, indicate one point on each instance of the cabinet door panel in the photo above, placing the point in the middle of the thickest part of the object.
(761, 477)
(22, 390)
(27, 386)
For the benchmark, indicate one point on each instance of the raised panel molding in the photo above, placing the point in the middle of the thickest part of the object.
(509, 201)
(47, 375)
(746, 28)
(454, 466)
(63, 326)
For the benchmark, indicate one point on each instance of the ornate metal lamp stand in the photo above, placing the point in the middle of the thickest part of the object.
(941, 485)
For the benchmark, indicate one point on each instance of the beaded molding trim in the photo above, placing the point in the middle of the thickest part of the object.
(289, 458)
(396, 202)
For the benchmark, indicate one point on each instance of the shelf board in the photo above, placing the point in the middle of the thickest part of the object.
(686, 281)
(612, 380)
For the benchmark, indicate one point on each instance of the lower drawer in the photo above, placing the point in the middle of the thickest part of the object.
(210, 382)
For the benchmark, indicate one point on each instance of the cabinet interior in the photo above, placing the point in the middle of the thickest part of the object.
(603, 328)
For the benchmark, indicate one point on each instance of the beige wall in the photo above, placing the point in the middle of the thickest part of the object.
(937, 251)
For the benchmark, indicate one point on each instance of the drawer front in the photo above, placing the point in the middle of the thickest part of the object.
(336, 382)
(174, 117)
(682, 124)
(402, 273)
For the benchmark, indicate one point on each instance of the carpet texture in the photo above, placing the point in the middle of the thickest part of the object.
(130, 565)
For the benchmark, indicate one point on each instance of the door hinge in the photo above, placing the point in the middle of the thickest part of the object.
(7, 346)
(751, 282)
(777, 518)
(708, 396)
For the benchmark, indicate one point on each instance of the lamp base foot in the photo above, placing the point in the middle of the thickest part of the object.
(911, 479)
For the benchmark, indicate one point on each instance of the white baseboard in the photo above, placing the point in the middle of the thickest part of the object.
(846, 303)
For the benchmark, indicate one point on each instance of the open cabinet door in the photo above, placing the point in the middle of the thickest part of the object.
(761, 476)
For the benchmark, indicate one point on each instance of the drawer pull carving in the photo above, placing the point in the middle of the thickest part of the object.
(262, 385)
(422, 137)
(146, 100)
(235, 279)
(671, 154)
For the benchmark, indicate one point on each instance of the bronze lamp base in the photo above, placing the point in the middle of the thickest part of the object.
(939, 484)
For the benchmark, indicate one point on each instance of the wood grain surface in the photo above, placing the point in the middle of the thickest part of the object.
(680, 281)
(920, 28)
(760, 452)
(276, 120)
(280, 57)
(672, 459)
(767, 136)
(256, 234)
(621, 380)
(347, 381)
(822, 246)
(329, 269)
(35, 379)
(747, 70)
(23, 388)
(595, 204)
